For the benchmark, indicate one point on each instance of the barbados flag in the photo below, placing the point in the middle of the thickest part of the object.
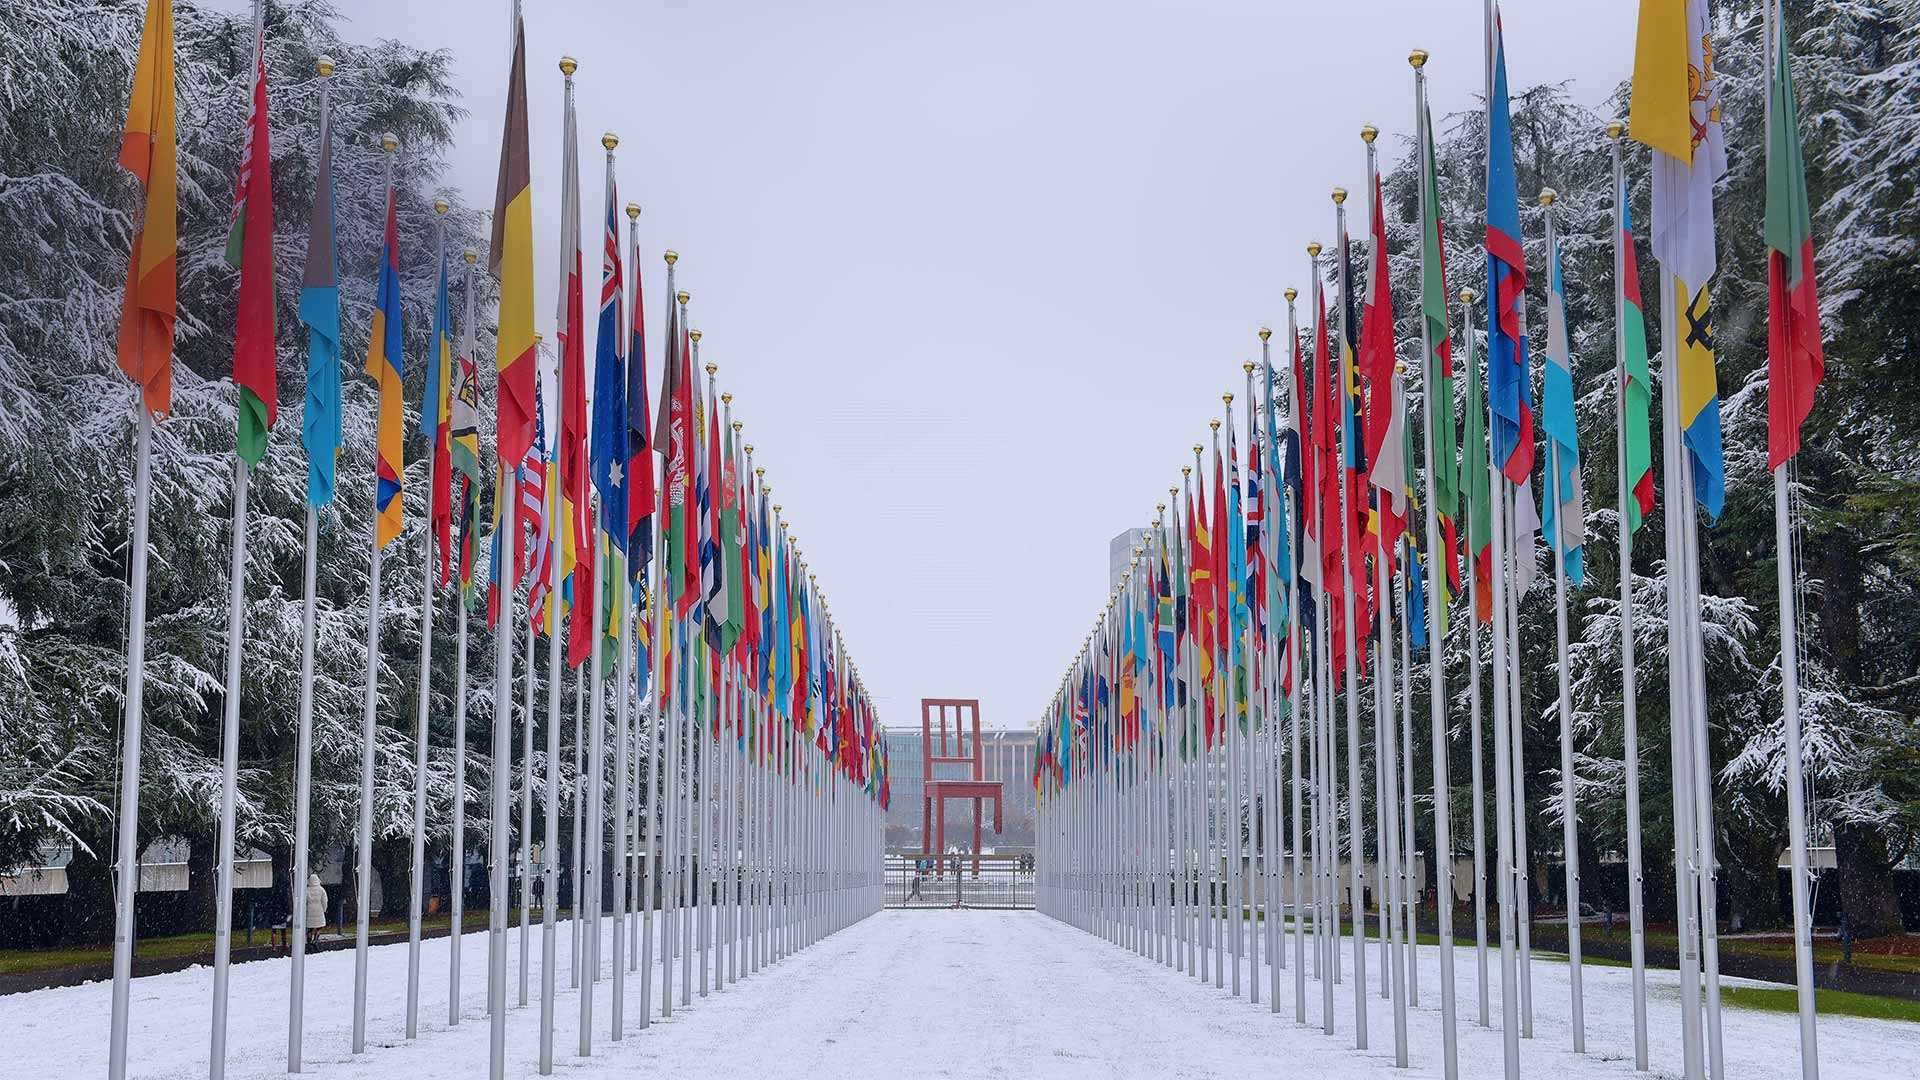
(384, 365)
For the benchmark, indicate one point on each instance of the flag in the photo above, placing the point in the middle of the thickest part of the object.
(510, 260)
(1439, 373)
(1638, 388)
(250, 250)
(532, 523)
(464, 441)
(436, 417)
(1279, 557)
(1361, 523)
(148, 149)
(712, 492)
(1386, 399)
(673, 439)
(641, 493)
(1795, 363)
(732, 543)
(320, 311)
(1676, 111)
(610, 459)
(384, 365)
(1507, 375)
(1566, 493)
(1474, 474)
(496, 552)
(571, 450)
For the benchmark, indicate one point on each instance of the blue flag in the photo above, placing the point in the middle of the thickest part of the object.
(320, 310)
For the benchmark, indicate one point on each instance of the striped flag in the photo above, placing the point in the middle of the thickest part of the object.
(533, 523)
(570, 453)
(1795, 361)
(510, 260)
(1439, 373)
(1639, 381)
(320, 311)
(1566, 494)
(384, 365)
(1507, 376)
(250, 249)
(149, 149)
(436, 417)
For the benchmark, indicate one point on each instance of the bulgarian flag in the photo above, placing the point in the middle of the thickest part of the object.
(1795, 363)
(250, 250)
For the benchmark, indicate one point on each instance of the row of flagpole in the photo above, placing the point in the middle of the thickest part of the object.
(1186, 708)
(744, 839)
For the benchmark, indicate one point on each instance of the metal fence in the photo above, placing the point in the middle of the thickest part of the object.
(959, 881)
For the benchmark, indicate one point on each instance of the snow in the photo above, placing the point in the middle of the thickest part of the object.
(904, 994)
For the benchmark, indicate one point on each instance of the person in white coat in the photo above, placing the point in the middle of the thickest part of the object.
(316, 907)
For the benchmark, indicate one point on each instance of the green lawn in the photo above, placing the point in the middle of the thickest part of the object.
(1829, 1002)
(27, 961)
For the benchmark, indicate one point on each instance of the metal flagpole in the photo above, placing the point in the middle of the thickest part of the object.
(230, 724)
(416, 882)
(576, 933)
(229, 769)
(1326, 854)
(364, 834)
(1249, 740)
(1356, 813)
(526, 792)
(498, 826)
(1679, 698)
(648, 701)
(1410, 879)
(1569, 822)
(457, 828)
(1298, 673)
(1436, 677)
(1503, 781)
(1629, 694)
(594, 844)
(303, 748)
(556, 694)
(1517, 495)
(1483, 980)
(616, 584)
(1230, 715)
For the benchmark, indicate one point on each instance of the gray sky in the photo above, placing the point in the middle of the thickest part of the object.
(976, 274)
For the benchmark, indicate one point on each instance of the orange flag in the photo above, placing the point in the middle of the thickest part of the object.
(148, 150)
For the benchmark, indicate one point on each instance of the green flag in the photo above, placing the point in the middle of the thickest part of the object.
(1473, 474)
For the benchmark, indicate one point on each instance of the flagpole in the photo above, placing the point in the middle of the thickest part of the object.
(1356, 828)
(1629, 694)
(1786, 576)
(457, 835)
(593, 847)
(229, 769)
(428, 423)
(364, 870)
(526, 794)
(1503, 805)
(1298, 673)
(1679, 697)
(1523, 865)
(550, 840)
(1569, 823)
(615, 586)
(1249, 744)
(1230, 719)
(1483, 978)
(499, 806)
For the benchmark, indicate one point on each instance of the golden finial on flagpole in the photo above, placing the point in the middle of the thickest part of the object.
(1615, 129)
(1187, 470)
(1313, 249)
(471, 256)
(694, 336)
(776, 508)
(1228, 396)
(1339, 196)
(1290, 293)
(711, 368)
(609, 140)
(1215, 424)
(1159, 508)
(672, 257)
(1267, 332)
(389, 142)
(568, 65)
(1547, 195)
(737, 425)
(1247, 368)
(324, 65)
(727, 398)
(633, 211)
(1468, 296)
(1368, 133)
(761, 472)
(684, 297)
(1418, 58)
(441, 206)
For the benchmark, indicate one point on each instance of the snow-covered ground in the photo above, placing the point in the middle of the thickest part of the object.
(903, 994)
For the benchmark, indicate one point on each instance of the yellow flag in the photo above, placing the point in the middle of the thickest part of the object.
(148, 151)
(1659, 109)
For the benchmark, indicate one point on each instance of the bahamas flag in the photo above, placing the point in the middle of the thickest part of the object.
(384, 365)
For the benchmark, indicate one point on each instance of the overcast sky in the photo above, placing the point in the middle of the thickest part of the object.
(977, 274)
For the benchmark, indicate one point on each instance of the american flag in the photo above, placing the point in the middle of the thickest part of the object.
(533, 518)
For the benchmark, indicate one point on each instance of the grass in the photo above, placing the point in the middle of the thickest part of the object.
(176, 946)
(1829, 1002)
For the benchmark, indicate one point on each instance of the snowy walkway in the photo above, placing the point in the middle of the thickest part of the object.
(883, 1000)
